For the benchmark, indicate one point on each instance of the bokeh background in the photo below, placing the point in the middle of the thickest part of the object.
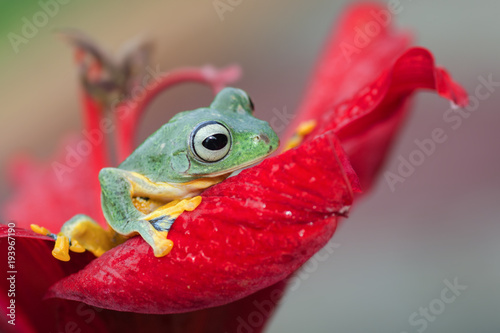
(393, 253)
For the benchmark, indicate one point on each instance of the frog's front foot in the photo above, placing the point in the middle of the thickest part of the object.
(79, 234)
(302, 130)
(158, 223)
(161, 245)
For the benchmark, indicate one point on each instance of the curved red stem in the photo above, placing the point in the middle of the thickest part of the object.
(92, 113)
(129, 112)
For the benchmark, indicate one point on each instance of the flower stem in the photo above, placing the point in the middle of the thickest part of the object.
(129, 112)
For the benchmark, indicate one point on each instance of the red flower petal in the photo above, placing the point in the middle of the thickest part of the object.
(49, 195)
(361, 83)
(250, 232)
(35, 271)
(366, 123)
(349, 62)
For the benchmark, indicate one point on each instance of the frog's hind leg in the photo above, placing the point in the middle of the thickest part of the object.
(78, 234)
(123, 207)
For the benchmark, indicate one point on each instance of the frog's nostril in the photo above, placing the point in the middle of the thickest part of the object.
(264, 138)
(261, 137)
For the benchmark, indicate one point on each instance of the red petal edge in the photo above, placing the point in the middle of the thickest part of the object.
(367, 123)
(360, 86)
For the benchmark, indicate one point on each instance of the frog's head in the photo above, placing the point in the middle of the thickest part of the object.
(225, 136)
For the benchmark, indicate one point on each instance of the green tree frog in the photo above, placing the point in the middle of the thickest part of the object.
(164, 176)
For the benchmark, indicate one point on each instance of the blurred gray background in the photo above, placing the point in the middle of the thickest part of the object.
(394, 252)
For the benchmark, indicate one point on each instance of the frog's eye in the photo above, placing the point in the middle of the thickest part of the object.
(210, 141)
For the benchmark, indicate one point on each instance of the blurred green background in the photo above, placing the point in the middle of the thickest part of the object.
(395, 250)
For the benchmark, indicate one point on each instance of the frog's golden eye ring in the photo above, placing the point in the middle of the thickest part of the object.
(210, 141)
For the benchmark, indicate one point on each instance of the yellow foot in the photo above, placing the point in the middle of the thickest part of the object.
(163, 246)
(62, 245)
(163, 218)
(76, 247)
(40, 230)
(303, 129)
(61, 249)
(78, 235)
(175, 208)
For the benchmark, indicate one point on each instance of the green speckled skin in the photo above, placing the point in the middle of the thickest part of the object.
(166, 156)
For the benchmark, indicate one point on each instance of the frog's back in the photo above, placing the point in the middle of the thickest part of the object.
(152, 157)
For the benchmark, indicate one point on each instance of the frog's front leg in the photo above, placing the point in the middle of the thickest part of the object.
(121, 188)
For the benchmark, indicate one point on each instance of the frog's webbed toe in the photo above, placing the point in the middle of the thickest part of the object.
(162, 245)
(62, 245)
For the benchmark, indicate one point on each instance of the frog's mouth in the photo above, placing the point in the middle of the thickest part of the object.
(228, 172)
(148, 202)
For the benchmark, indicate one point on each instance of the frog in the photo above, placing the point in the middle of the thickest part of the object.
(166, 174)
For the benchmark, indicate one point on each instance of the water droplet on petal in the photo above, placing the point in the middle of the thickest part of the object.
(344, 209)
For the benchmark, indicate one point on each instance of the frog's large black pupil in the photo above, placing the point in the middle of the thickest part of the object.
(215, 142)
